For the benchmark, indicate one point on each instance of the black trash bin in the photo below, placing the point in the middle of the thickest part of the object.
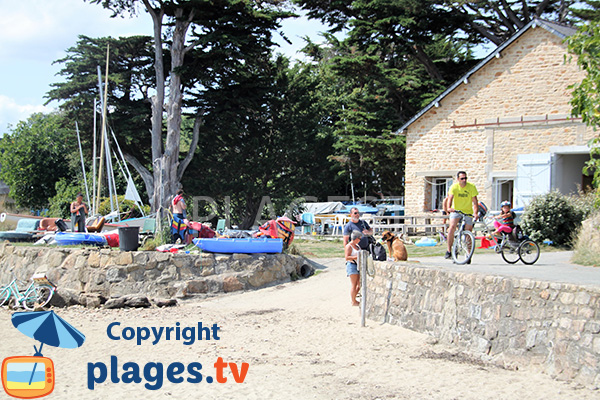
(129, 238)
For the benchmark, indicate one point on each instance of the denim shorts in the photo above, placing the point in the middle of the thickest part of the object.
(351, 268)
(468, 219)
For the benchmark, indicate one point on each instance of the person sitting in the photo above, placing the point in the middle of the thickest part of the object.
(505, 221)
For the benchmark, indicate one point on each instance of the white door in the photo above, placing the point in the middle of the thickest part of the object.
(534, 172)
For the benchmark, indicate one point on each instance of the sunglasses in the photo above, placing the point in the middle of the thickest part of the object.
(355, 213)
(463, 179)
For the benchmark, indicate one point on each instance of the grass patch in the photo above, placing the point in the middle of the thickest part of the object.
(327, 248)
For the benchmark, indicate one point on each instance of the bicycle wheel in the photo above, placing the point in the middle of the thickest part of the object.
(510, 253)
(4, 296)
(529, 252)
(39, 296)
(463, 247)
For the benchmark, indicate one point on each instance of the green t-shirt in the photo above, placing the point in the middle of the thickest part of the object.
(463, 197)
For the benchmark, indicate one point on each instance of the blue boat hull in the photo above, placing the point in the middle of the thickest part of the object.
(241, 245)
(75, 238)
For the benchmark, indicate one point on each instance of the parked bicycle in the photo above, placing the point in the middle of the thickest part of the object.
(464, 242)
(37, 294)
(513, 246)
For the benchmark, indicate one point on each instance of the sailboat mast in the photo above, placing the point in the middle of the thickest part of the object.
(93, 204)
(87, 192)
(103, 131)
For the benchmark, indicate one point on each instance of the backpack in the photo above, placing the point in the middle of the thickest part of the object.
(376, 249)
(517, 234)
(378, 252)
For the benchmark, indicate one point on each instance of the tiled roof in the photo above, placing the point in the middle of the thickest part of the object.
(561, 31)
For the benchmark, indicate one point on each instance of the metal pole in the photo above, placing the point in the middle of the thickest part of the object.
(362, 267)
(87, 193)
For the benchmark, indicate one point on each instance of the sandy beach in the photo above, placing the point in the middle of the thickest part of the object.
(300, 340)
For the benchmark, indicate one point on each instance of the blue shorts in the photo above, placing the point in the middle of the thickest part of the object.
(351, 268)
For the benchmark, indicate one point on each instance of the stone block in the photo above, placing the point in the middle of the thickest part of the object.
(94, 259)
(124, 258)
(196, 286)
(222, 258)
(204, 260)
(140, 257)
(115, 274)
(232, 284)
(168, 274)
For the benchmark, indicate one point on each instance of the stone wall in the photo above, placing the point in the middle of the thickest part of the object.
(529, 82)
(509, 321)
(93, 276)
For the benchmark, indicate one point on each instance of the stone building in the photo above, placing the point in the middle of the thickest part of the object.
(506, 123)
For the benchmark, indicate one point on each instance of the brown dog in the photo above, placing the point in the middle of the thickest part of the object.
(395, 246)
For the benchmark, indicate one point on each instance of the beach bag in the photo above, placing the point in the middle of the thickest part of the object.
(378, 252)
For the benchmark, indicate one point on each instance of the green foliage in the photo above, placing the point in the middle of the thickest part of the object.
(586, 95)
(262, 136)
(130, 79)
(35, 156)
(553, 216)
(127, 208)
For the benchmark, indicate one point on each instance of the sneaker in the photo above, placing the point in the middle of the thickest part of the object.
(448, 255)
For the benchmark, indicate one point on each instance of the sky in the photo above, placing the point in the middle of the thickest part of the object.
(35, 33)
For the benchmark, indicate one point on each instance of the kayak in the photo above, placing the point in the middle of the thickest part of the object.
(240, 245)
(75, 238)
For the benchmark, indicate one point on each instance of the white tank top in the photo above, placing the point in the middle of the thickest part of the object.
(354, 251)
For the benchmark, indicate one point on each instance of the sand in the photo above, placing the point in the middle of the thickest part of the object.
(300, 340)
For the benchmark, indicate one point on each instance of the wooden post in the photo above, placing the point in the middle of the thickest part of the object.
(362, 267)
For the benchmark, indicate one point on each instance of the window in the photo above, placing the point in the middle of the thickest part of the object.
(503, 190)
(439, 190)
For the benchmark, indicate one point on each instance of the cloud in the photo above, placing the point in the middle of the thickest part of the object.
(42, 28)
(11, 111)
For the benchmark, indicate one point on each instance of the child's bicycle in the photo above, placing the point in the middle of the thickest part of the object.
(37, 294)
(513, 246)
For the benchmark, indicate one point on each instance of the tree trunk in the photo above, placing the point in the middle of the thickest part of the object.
(167, 174)
(158, 99)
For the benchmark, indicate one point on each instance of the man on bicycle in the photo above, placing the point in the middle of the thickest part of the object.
(462, 196)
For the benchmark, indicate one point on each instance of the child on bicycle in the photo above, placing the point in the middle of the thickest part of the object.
(505, 221)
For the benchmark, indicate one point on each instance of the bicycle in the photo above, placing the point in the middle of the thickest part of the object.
(514, 247)
(38, 293)
(464, 242)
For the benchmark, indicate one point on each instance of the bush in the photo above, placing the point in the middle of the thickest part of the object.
(587, 244)
(553, 216)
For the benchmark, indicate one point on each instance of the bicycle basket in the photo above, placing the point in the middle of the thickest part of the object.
(41, 279)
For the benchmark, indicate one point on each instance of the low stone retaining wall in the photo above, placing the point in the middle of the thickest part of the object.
(512, 322)
(90, 276)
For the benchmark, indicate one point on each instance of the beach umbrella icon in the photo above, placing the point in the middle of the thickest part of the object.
(48, 328)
